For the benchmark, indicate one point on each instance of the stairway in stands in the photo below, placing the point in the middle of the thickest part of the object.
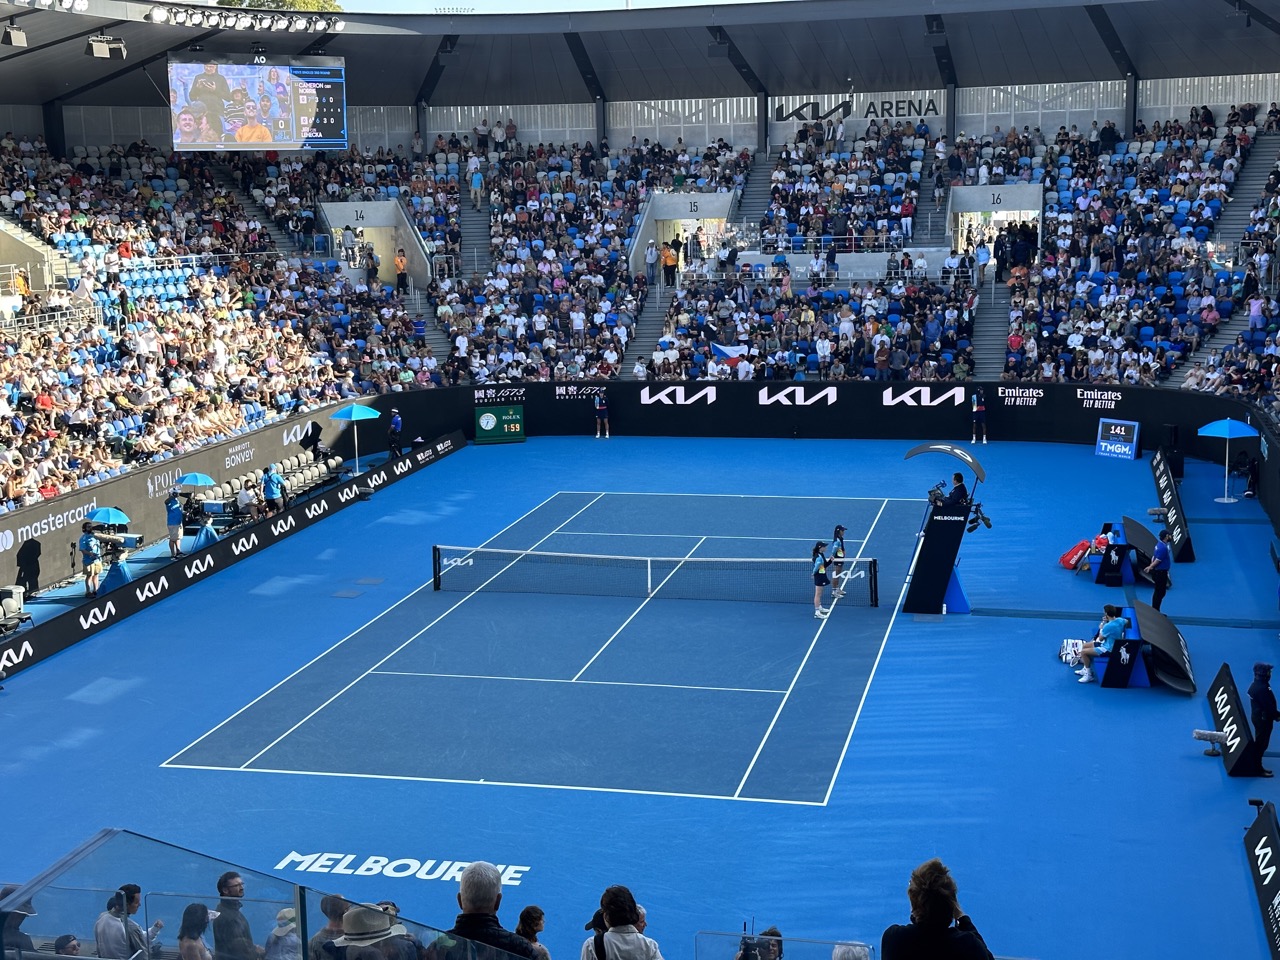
(991, 332)
(754, 201)
(648, 327)
(1228, 232)
(223, 177)
(931, 221)
(476, 257)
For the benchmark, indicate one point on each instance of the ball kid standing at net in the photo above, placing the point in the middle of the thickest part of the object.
(837, 561)
(820, 579)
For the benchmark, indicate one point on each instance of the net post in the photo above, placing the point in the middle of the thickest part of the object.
(648, 576)
(875, 582)
(435, 566)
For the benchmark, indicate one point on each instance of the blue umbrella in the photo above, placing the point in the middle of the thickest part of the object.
(1229, 430)
(111, 515)
(197, 480)
(355, 413)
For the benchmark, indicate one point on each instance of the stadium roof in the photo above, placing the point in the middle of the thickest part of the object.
(798, 47)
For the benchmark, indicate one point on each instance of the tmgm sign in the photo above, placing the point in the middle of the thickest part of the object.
(1117, 438)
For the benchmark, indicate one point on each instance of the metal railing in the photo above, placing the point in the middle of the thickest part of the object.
(77, 315)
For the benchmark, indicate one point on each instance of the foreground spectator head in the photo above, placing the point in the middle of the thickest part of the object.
(532, 922)
(67, 945)
(195, 921)
(619, 907)
(366, 924)
(850, 951)
(932, 893)
(230, 884)
(480, 888)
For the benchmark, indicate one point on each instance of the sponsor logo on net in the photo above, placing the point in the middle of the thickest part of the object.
(1020, 396)
(351, 864)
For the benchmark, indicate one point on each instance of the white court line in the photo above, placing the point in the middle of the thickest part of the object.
(790, 687)
(745, 496)
(688, 536)
(290, 731)
(345, 639)
(500, 783)
(600, 683)
(637, 610)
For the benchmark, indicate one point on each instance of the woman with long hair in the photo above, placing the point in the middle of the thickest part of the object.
(195, 921)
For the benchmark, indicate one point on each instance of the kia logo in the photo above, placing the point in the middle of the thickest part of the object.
(11, 658)
(796, 396)
(244, 543)
(678, 396)
(401, 467)
(196, 567)
(922, 397)
(98, 615)
(315, 509)
(347, 494)
(376, 479)
(153, 588)
(280, 526)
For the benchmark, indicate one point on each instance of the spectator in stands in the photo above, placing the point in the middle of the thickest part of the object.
(232, 938)
(118, 936)
(67, 945)
(334, 909)
(621, 940)
(850, 951)
(931, 933)
(195, 921)
(371, 933)
(532, 922)
(479, 896)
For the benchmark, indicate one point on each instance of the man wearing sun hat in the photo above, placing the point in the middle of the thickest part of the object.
(367, 924)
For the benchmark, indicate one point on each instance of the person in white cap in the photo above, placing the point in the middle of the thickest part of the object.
(651, 263)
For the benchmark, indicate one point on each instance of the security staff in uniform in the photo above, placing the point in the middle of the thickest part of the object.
(1262, 711)
(1158, 568)
(393, 433)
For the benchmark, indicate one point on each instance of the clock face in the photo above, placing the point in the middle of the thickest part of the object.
(488, 421)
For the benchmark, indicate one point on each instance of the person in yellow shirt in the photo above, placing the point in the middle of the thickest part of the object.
(253, 131)
(402, 272)
(670, 259)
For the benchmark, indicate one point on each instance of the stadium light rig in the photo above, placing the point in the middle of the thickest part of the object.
(232, 20)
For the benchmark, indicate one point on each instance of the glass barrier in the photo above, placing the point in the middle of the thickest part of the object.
(710, 945)
(272, 919)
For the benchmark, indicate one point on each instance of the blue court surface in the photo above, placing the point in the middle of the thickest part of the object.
(726, 755)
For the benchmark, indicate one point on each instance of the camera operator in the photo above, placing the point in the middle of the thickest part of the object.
(249, 500)
(173, 516)
(767, 946)
(90, 558)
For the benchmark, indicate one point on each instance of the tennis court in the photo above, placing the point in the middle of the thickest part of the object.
(712, 668)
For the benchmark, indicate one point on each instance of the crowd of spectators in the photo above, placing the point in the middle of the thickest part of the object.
(1121, 287)
(907, 326)
(938, 927)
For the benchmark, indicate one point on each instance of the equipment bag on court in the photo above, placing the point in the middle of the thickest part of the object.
(1071, 559)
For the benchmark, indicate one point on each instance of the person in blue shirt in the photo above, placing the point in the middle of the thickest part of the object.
(273, 489)
(90, 558)
(173, 519)
(393, 433)
(1110, 630)
(820, 578)
(1158, 568)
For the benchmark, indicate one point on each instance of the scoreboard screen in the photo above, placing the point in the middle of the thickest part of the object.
(258, 103)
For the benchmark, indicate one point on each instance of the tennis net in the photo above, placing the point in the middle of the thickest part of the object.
(784, 580)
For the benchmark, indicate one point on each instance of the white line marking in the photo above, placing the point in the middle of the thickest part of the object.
(790, 687)
(499, 783)
(688, 536)
(290, 731)
(601, 683)
(637, 610)
(344, 640)
(744, 496)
